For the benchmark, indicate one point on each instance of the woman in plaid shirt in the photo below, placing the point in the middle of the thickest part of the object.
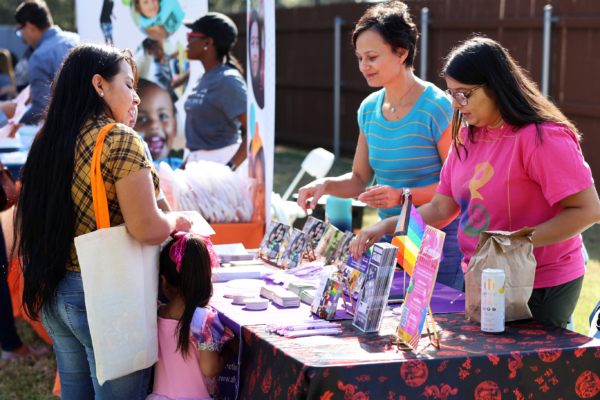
(94, 87)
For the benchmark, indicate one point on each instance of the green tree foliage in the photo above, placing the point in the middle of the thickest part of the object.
(63, 12)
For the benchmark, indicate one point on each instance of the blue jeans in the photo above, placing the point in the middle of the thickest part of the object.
(450, 272)
(65, 319)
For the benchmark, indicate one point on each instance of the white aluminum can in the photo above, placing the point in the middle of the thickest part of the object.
(492, 300)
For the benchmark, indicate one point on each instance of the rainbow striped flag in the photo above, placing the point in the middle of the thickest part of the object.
(408, 236)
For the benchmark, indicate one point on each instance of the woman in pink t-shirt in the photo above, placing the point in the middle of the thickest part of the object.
(515, 162)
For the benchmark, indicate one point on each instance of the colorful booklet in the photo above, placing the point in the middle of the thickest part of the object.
(342, 252)
(294, 250)
(328, 243)
(326, 297)
(274, 240)
(373, 297)
(356, 271)
(314, 229)
(418, 294)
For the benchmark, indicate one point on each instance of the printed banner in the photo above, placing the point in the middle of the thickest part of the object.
(154, 33)
(260, 73)
(418, 294)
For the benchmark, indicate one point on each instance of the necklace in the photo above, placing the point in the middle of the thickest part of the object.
(500, 130)
(403, 96)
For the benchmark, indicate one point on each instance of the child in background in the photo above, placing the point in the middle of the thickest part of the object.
(161, 68)
(194, 345)
(157, 121)
(159, 19)
(161, 200)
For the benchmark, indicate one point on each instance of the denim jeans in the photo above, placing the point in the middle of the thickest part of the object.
(9, 339)
(450, 272)
(65, 319)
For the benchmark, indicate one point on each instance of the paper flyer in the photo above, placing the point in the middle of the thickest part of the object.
(418, 294)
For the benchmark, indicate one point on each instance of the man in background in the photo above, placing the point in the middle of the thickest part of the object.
(50, 46)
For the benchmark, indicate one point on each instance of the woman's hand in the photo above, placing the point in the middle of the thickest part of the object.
(381, 196)
(315, 190)
(183, 223)
(367, 238)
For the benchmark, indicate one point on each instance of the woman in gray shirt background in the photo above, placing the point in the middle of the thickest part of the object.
(215, 124)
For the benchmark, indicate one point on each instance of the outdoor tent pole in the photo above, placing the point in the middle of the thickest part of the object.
(337, 65)
(424, 34)
(546, 53)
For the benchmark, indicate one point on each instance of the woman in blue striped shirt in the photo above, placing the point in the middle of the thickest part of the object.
(404, 129)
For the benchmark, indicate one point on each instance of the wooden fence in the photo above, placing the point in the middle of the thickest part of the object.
(305, 48)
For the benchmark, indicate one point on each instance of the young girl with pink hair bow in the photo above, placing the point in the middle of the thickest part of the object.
(194, 345)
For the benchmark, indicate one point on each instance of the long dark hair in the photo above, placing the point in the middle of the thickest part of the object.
(45, 220)
(481, 60)
(257, 81)
(393, 22)
(193, 282)
(224, 46)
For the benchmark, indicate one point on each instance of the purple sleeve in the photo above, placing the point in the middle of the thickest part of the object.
(209, 331)
(557, 164)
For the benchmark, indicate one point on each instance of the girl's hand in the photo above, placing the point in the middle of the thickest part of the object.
(315, 190)
(381, 196)
(366, 238)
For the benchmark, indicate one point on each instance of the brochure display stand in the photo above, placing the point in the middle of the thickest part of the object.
(418, 295)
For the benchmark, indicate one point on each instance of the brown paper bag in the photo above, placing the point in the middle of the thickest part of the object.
(511, 252)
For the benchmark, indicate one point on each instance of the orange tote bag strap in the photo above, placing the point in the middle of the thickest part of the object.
(98, 188)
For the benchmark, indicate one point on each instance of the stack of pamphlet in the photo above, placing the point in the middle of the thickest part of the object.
(297, 288)
(267, 291)
(307, 296)
(285, 298)
(376, 289)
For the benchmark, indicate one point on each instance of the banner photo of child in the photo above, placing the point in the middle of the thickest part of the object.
(157, 122)
(157, 19)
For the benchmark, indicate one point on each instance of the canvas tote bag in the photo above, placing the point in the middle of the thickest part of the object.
(120, 281)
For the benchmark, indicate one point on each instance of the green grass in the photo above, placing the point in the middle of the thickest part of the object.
(28, 379)
(33, 379)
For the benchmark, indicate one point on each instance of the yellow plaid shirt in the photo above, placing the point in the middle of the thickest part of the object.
(123, 154)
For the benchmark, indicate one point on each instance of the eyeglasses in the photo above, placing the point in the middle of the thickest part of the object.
(18, 31)
(191, 35)
(462, 97)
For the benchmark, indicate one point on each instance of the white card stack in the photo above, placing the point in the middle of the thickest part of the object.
(373, 297)
(285, 298)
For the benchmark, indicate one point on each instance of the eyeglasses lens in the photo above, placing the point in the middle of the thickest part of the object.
(18, 32)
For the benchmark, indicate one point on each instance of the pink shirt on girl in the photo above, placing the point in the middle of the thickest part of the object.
(510, 180)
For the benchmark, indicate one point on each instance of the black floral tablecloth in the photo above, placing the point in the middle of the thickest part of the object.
(530, 360)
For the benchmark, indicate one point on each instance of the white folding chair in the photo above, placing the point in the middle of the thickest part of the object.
(317, 164)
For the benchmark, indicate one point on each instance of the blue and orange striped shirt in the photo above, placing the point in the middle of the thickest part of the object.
(404, 153)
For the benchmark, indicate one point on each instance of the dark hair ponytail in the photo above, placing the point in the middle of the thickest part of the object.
(194, 282)
(45, 214)
(233, 62)
(481, 60)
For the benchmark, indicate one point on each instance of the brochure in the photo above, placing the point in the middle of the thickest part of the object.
(294, 250)
(274, 240)
(418, 294)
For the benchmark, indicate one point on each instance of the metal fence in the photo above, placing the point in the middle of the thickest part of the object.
(305, 61)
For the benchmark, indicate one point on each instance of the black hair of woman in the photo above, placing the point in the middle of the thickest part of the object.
(48, 171)
(393, 22)
(255, 73)
(479, 61)
(193, 283)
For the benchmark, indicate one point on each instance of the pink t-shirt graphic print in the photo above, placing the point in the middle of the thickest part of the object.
(510, 180)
